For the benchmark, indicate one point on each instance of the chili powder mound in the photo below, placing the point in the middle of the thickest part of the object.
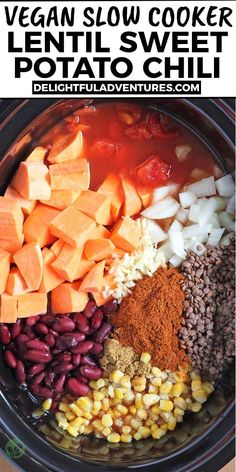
(149, 319)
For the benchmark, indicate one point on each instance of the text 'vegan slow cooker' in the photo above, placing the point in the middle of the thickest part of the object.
(205, 441)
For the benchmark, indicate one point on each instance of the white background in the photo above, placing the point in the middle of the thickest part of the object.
(11, 87)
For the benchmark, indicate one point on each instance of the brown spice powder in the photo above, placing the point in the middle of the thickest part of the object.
(149, 319)
(116, 356)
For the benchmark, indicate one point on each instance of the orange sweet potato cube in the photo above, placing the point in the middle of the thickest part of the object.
(126, 234)
(37, 155)
(71, 175)
(96, 206)
(12, 245)
(16, 284)
(66, 148)
(50, 279)
(98, 249)
(93, 280)
(11, 219)
(132, 203)
(32, 181)
(29, 261)
(31, 304)
(61, 199)
(36, 225)
(8, 310)
(112, 188)
(26, 205)
(73, 226)
(67, 262)
(5, 258)
(66, 298)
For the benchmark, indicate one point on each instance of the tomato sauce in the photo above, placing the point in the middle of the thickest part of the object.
(119, 136)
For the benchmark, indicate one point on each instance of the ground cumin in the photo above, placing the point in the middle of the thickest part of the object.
(116, 356)
(149, 319)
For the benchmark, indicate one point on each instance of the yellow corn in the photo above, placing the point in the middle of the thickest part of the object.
(166, 387)
(107, 420)
(126, 429)
(98, 396)
(122, 409)
(199, 395)
(113, 438)
(72, 431)
(46, 405)
(177, 389)
(85, 403)
(144, 431)
(133, 410)
(126, 438)
(178, 412)
(158, 433)
(116, 376)
(196, 407)
(166, 405)
(118, 394)
(64, 407)
(70, 416)
(145, 357)
(106, 431)
(139, 384)
(156, 372)
(150, 399)
(172, 424)
(76, 410)
(208, 388)
(196, 385)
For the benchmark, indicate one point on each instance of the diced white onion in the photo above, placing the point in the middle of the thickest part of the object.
(161, 192)
(194, 213)
(199, 249)
(206, 212)
(194, 230)
(215, 236)
(203, 188)
(162, 209)
(215, 221)
(230, 208)
(187, 198)
(221, 202)
(175, 261)
(156, 232)
(226, 221)
(175, 226)
(166, 251)
(225, 241)
(225, 186)
(198, 174)
(201, 201)
(181, 151)
(177, 243)
(182, 215)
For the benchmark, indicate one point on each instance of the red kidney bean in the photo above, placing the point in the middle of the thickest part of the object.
(81, 323)
(96, 349)
(49, 378)
(103, 332)
(77, 388)
(35, 369)
(55, 351)
(63, 368)
(40, 391)
(21, 341)
(82, 347)
(90, 372)
(54, 333)
(27, 330)
(69, 340)
(41, 328)
(97, 319)
(10, 359)
(15, 329)
(59, 383)
(34, 355)
(5, 335)
(36, 344)
(32, 320)
(50, 340)
(63, 357)
(110, 307)
(63, 325)
(47, 319)
(86, 360)
(37, 379)
(80, 377)
(20, 372)
(76, 359)
(12, 347)
(90, 309)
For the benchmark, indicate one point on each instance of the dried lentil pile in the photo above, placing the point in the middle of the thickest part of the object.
(208, 326)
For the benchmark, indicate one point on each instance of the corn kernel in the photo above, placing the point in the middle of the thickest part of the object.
(107, 420)
(180, 403)
(87, 415)
(72, 431)
(76, 410)
(196, 407)
(116, 376)
(97, 405)
(158, 433)
(100, 383)
(82, 429)
(76, 422)
(118, 394)
(142, 414)
(137, 436)
(152, 389)
(132, 410)
(155, 409)
(64, 407)
(139, 384)
(135, 424)
(125, 381)
(166, 388)
(199, 395)
(126, 429)
(150, 399)
(208, 387)
(105, 404)
(46, 405)
(129, 396)
(178, 412)
(196, 385)
(156, 372)
(61, 419)
(98, 396)
(70, 416)
(177, 389)
(172, 424)
(195, 375)
(145, 357)
(97, 424)
(166, 415)
(144, 431)
(93, 384)
(85, 403)
(119, 422)
(113, 438)
(122, 409)
(166, 405)
(126, 438)
(37, 413)
(156, 381)
(149, 422)
(138, 400)
(110, 391)
(164, 426)
(106, 431)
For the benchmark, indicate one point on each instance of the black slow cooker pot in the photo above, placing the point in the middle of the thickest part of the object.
(204, 441)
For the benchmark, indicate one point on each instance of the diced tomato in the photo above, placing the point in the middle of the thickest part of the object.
(104, 147)
(141, 131)
(130, 109)
(160, 126)
(153, 171)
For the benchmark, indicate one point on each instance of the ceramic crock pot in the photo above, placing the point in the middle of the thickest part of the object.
(204, 441)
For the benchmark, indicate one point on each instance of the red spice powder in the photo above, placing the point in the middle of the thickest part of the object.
(149, 319)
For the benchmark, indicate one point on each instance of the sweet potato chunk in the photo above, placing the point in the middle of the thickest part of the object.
(8, 311)
(36, 226)
(32, 181)
(11, 245)
(145, 195)
(61, 199)
(29, 261)
(16, 284)
(126, 234)
(66, 148)
(71, 175)
(132, 203)
(108, 283)
(37, 155)
(84, 267)
(66, 298)
(5, 258)
(112, 188)
(96, 206)
(31, 304)
(93, 280)
(50, 279)
(26, 205)
(72, 226)
(98, 249)
(11, 219)
(57, 247)
(67, 262)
